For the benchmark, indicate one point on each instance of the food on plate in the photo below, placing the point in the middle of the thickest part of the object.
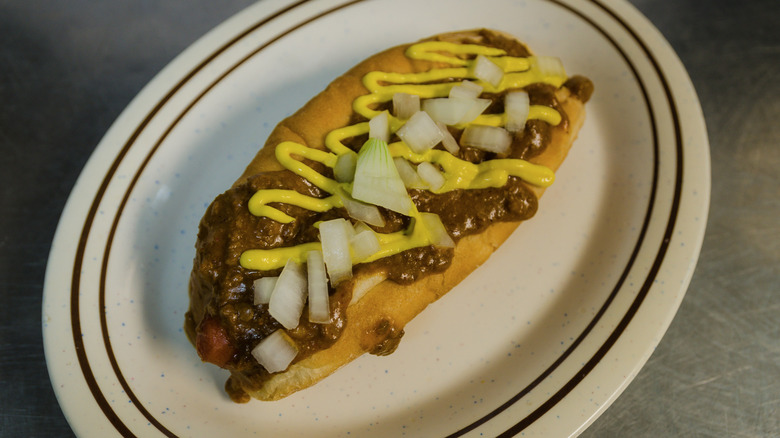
(372, 201)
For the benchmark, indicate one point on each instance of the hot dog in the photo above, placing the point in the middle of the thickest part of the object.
(372, 201)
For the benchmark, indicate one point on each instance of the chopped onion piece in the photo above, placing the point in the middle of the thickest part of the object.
(448, 141)
(379, 127)
(334, 236)
(550, 66)
(446, 110)
(420, 132)
(466, 90)
(289, 295)
(431, 175)
(405, 105)
(478, 106)
(377, 181)
(487, 138)
(344, 170)
(360, 226)
(263, 288)
(486, 70)
(455, 110)
(348, 229)
(436, 231)
(319, 301)
(361, 211)
(364, 244)
(408, 174)
(275, 352)
(516, 107)
(363, 284)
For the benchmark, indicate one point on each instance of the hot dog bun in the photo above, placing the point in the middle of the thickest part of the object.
(378, 308)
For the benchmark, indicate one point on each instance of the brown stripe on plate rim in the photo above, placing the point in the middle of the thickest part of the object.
(78, 342)
(84, 363)
(109, 241)
(652, 273)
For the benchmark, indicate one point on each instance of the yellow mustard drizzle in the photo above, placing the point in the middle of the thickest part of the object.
(459, 174)
(390, 243)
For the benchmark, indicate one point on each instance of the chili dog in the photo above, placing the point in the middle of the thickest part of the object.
(372, 201)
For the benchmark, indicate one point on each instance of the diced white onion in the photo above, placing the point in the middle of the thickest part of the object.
(408, 174)
(263, 288)
(486, 70)
(550, 66)
(275, 352)
(360, 226)
(319, 301)
(436, 231)
(431, 175)
(361, 211)
(446, 110)
(377, 181)
(487, 138)
(364, 244)
(478, 106)
(516, 107)
(289, 295)
(365, 284)
(448, 141)
(349, 229)
(379, 127)
(466, 90)
(420, 132)
(334, 237)
(344, 170)
(454, 110)
(405, 105)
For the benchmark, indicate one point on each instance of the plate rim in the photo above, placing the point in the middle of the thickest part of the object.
(291, 5)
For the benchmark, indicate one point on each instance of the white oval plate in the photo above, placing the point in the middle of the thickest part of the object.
(539, 341)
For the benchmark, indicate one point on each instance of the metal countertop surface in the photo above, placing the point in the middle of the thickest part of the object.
(67, 70)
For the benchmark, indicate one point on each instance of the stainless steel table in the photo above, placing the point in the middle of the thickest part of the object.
(67, 69)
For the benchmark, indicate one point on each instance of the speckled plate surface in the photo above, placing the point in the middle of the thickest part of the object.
(537, 342)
